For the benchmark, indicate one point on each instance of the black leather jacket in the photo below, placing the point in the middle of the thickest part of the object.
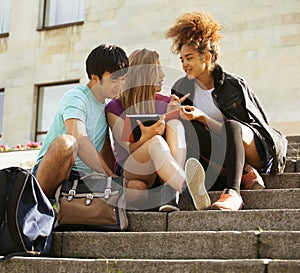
(237, 101)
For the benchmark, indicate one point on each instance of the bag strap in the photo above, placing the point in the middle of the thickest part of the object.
(94, 176)
(107, 192)
(72, 191)
(18, 254)
(19, 179)
(4, 187)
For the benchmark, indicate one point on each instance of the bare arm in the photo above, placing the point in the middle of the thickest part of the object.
(107, 152)
(86, 150)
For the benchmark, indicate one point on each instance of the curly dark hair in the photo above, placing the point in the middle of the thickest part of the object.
(198, 29)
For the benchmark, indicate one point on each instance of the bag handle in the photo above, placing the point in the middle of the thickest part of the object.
(94, 176)
(107, 191)
(72, 191)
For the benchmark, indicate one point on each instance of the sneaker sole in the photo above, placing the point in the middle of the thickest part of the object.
(258, 186)
(168, 208)
(195, 177)
(215, 207)
(255, 186)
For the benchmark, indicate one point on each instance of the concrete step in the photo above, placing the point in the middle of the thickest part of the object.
(259, 199)
(49, 265)
(293, 150)
(292, 165)
(268, 199)
(293, 139)
(178, 245)
(282, 181)
(209, 220)
(263, 237)
(62, 265)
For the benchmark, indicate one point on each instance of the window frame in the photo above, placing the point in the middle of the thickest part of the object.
(2, 90)
(38, 87)
(6, 33)
(42, 23)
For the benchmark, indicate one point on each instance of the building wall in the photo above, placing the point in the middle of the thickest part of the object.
(261, 43)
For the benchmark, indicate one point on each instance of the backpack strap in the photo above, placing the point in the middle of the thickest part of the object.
(4, 187)
(19, 178)
(16, 254)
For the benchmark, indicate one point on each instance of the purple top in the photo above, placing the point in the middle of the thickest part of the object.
(115, 107)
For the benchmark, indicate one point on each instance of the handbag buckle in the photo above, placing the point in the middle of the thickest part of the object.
(89, 198)
(71, 194)
(107, 193)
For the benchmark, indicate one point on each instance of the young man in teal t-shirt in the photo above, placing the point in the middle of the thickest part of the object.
(77, 141)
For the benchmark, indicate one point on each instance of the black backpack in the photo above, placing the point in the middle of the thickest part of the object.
(26, 214)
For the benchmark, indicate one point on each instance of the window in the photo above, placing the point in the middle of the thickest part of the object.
(48, 100)
(63, 12)
(4, 16)
(1, 109)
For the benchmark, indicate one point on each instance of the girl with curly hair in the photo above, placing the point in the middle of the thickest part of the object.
(230, 125)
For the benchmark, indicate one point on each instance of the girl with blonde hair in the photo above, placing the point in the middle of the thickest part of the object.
(161, 149)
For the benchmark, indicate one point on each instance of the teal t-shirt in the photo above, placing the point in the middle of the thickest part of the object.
(79, 103)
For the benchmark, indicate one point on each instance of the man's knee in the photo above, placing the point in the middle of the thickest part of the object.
(65, 145)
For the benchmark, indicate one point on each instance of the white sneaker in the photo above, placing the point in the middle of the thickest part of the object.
(228, 200)
(195, 188)
(251, 179)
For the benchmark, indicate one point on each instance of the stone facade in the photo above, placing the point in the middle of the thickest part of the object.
(261, 43)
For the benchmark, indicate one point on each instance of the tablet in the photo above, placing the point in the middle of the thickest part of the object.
(146, 119)
(132, 132)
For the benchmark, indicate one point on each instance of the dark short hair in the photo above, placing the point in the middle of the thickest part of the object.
(106, 57)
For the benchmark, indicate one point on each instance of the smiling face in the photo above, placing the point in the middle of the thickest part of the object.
(107, 88)
(111, 86)
(193, 62)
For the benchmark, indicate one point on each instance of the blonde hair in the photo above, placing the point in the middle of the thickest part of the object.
(197, 29)
(139, 94)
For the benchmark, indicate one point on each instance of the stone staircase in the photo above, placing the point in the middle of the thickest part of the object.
(264, 237)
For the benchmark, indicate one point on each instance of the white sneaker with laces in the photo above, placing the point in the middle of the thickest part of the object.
(195, 186)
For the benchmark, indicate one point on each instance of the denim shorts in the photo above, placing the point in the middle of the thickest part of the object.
(73, 175)
(267, 160)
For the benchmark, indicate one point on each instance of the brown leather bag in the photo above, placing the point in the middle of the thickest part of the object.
(93, 202)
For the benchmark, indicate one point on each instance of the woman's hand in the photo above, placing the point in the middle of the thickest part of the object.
(147, 132)
(175, 102)
(192, 113)
(158, 128)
